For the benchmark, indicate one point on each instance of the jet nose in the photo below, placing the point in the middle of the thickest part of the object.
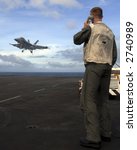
(19, 40)
(16, 39)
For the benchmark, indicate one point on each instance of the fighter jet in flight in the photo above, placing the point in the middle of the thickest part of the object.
(26, 45)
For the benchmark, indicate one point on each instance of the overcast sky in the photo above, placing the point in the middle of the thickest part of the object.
(53, 23)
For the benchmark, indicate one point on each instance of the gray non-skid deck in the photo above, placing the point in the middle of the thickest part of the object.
(42, 113)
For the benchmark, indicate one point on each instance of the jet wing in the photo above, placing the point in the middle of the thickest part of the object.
(17, 45)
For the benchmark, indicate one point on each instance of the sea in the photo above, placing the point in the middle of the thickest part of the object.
(46, 74)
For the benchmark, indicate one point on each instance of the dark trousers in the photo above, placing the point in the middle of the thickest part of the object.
(95, 101)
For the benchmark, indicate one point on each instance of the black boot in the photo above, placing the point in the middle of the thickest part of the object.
(106, 139)
(91, 144)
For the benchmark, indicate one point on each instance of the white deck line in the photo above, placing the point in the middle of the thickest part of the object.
(12, 83)
(39, 90)
(8, 99)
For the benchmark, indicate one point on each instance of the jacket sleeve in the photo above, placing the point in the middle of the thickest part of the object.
(82, 36)
(114, 53)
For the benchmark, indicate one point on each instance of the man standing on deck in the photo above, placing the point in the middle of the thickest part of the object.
(100, 54)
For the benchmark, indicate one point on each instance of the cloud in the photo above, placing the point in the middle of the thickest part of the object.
(14, 60)
(66, 3)
(56, 64)
(41, 6)
(64, 66)
(38, 56)
(45, 7)
(10, 4)
(15, 4)
(103, 2)
(14, 63)
(65, 60)
(36, 3)
(74, 54)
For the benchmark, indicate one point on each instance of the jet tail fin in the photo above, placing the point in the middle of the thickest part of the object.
(36, 42)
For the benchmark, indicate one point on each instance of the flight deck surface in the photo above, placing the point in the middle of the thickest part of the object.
(42, 113)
